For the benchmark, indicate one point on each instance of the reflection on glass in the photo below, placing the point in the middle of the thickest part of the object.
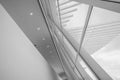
(76, 23)
(72, 52)
(102, 40)
(72, 16)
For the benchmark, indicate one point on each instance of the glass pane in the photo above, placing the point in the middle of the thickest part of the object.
(72, 17)
(71, 52)
(76, 23)
(102, 40)
(59, 33)
(77, 73)
(88, 72)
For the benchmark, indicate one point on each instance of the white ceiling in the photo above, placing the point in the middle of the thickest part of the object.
(27, 15)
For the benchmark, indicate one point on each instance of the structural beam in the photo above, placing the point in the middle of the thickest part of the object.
(102, 4)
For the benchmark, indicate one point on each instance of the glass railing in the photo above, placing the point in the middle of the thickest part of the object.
(90, 36)
(102, 40)
(77, 69)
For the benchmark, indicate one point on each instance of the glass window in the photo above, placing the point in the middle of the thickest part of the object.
(72, 52)
(72, 17)
(102, 40)
(87, 70)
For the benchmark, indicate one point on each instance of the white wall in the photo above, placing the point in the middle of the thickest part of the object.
(19, 59)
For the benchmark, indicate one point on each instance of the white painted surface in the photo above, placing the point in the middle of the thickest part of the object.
(19, 59)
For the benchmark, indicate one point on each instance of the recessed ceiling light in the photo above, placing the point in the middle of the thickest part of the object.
(31, 13)
(43, 38)
(38, 28)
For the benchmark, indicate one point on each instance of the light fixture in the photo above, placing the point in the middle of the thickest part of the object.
(38, 28)
(31, 13)
(43, 39)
